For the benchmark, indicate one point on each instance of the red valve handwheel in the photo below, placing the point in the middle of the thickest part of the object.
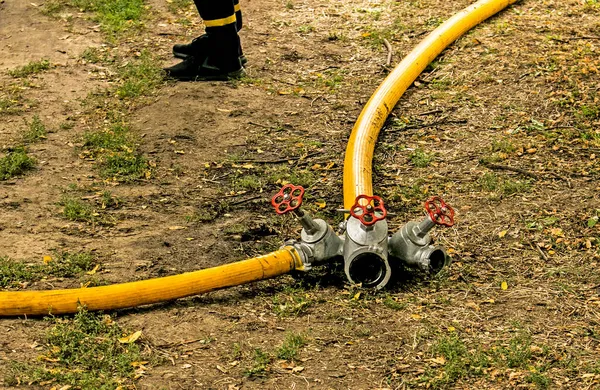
(439, 211)
(289, 198)
(367, 213)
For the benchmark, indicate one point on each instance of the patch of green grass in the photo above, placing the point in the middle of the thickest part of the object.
(540, 380)
(393, 304)
(442, 84)
(12, 272)
(458, 362)
(291, 346)
(247, 182)
(589, 112)
(503, 145)
(67, 265)
(11, 104)
(178, 5)
(492, 183)
(298, 177)
(115, 149)
(15, 163)
(115, 139)
(52, 7)
(139, 77)
(34, 67)
(517, 354)
(291, 303)
(61, 264)
(306, 28)
(108, 201)
(126, 167)
(434, 21)
(420, 158)
(374, 36)
(77, 210)
(82, 352)
(36, 131)
(593, 137)
(114, 16)
(96, 55)
(261, 361)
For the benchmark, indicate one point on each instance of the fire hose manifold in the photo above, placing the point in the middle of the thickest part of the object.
(364, 243)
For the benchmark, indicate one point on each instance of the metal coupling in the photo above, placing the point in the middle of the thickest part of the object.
(366, 243)
(318, 242)
(412, 244)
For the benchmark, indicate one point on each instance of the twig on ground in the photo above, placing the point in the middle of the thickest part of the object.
(539, 249)
(584, 37)
(263, 126)
(442, 121)
(388, 46)
(512, 169)
(436, 111)
(245, 200)
(282, 160)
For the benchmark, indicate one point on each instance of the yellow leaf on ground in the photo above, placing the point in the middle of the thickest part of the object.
(132, 338)
(321, 204)
(502, 233)
(504, 286)
(92, 272)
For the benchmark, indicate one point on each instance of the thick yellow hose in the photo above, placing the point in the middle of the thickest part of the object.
(359, 152)
(144, 292)
(357, 181)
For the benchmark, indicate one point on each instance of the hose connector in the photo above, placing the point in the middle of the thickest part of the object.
(412, 244)
(366, 243)
(318, 243)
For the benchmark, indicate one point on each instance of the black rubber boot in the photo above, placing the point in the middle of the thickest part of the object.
(205, 69)
(199, 48)
(219, 59)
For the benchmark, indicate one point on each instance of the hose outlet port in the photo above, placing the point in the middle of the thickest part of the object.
(437, 261)
(432, 259)
(367, 269)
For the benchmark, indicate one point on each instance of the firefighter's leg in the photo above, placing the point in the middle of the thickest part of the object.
(199, 45)
(215, 55)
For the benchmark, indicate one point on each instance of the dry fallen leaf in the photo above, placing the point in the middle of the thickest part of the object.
(92, 272)
(132, 338)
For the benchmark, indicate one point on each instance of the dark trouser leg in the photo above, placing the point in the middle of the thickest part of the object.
(239, 24)
(238, 14)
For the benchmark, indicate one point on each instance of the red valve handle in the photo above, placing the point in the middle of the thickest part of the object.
(367, 213)
(289, 198)
(439, 212)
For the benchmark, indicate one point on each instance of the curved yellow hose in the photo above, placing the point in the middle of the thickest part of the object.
(359, 152)
(357, 181)
(144, 292)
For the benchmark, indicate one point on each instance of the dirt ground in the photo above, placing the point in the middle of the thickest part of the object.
(505, 126)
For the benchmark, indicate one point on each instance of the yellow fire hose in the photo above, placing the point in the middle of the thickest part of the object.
(144, 292)
(359, 152)
(357, 181)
